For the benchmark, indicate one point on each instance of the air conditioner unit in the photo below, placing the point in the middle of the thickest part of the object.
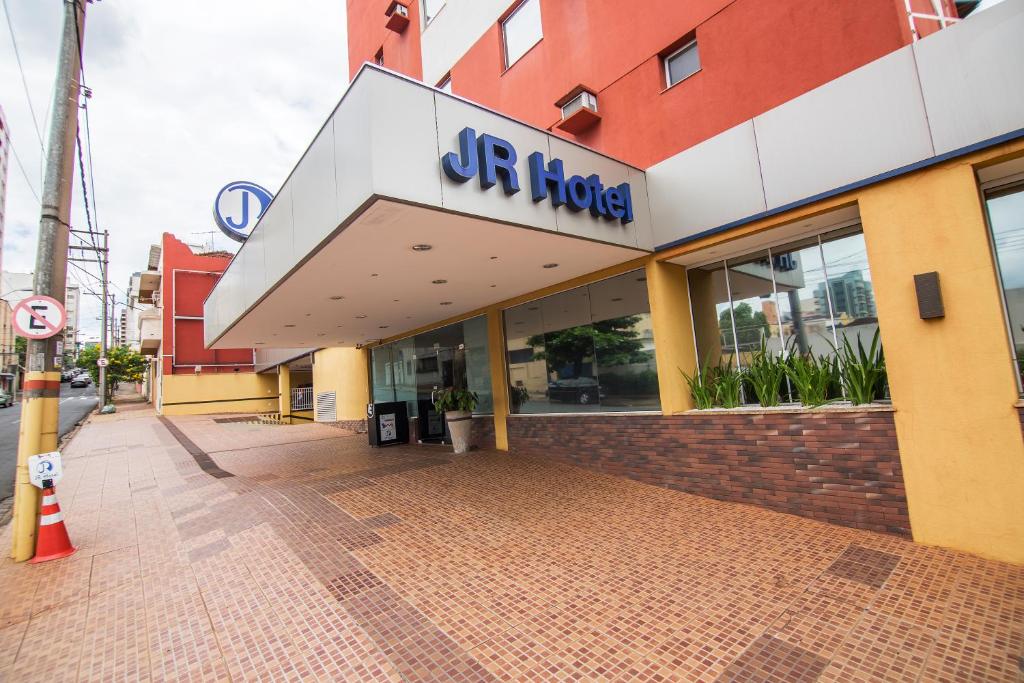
(579, 110)
(398, 16)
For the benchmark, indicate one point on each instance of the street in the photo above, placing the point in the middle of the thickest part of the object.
(74, 405)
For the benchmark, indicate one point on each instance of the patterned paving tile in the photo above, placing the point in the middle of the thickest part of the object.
(881, 648)
(770, 660)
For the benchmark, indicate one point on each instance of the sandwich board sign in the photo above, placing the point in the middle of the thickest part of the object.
(39, 317)
(44, 467)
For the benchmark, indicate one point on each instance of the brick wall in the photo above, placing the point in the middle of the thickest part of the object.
(835, 466)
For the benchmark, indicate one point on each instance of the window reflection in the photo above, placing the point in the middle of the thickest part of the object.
(805, 297)
(1006, 217)
(585, 350)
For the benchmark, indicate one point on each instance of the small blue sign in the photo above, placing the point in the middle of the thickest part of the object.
(238, 208)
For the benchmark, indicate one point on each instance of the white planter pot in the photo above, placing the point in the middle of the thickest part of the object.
(460, 424)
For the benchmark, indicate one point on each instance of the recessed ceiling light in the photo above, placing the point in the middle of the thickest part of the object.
(422, 247)
(494, 285)
(383, 327)
(533, 308)
(446, 303)
(321, 334)
(336, 297)
(289, 325)
(439, 282)
(360, 316)
(395, 300)
(618, 298)
(373, 274)
(642, 278)
(494, 258)
(550, 265)
(340, 325)
(258, 343)
(308, 314)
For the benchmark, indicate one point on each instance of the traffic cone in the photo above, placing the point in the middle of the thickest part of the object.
(52, 542)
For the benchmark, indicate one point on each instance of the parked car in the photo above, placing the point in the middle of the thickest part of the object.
(82, 380)
(582, 390)
(67, 376)
(6, 399)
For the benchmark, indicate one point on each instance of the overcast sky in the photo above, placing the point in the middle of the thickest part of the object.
(187, 96)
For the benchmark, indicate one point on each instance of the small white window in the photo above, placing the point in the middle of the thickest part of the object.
(521, 31)
(430, 10)
(682, 63)
(445, 85)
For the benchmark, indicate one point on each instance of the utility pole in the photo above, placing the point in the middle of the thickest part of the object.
(103, 324)
(38, 432)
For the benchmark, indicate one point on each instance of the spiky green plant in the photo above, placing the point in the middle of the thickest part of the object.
(702, 385)
(811, 377)
(765, 375)
(863, 370)
(728, 385)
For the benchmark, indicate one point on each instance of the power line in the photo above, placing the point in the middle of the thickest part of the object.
(23, 173)
(24, 81)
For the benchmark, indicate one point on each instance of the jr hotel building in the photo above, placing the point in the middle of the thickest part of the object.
(565, 205)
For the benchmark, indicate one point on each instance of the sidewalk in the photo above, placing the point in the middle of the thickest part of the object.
(222, 550)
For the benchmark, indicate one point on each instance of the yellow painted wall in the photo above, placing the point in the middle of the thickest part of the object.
(499, 377)
(236, 392)
(343, 371)
(673, 333)
(951, 379)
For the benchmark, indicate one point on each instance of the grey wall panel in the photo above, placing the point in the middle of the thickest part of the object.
(253, 270)
(577, 160)
(708, 185)
(351, 122)
(315, 193)
(971, 77)
(452, 116)
(279, 254)
(403, 137)
(869, 121)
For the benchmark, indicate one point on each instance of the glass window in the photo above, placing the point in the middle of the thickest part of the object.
(798, 298)
(682, 63)
(589, 349)
(430, 10)
(521, 31)
(414, 368)
(1006, 217)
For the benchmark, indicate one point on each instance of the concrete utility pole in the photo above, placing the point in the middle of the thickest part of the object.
(41, 395)
(103, 325)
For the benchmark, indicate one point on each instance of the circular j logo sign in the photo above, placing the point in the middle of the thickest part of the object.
(238, 206)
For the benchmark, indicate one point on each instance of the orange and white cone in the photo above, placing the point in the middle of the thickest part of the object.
(52, 542)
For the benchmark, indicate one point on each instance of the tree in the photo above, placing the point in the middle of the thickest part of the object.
(613, 342)
(20, 348)
(750, 326)
(125, 365)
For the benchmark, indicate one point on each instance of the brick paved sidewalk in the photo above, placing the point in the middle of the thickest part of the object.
(211, 551)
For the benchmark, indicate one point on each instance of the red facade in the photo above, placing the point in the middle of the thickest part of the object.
(755, 55)
(186, 280)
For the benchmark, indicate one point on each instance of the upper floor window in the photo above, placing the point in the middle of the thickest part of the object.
(682, 63)
(445, 84)
(430, 10)
(1006, 217)
(521, 30)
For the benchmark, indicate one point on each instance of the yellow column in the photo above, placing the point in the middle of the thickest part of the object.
(673, 333)
(345, 371)
(284, 392)
(951, 379)
(499, 377)
(37, 433)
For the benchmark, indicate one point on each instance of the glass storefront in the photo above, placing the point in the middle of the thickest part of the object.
(414, 368)
(589, 349)
(1006, 218)
(803, 297)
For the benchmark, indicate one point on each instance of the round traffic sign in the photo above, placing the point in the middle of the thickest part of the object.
(102, 362)
(39, 317)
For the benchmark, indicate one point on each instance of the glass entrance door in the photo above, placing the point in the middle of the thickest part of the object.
(437, 367)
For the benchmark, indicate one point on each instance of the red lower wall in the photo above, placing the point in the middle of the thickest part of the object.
(841, 467)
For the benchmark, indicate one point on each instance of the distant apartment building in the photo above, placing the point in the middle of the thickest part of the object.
(850, 294)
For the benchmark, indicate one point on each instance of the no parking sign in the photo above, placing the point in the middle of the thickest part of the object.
(39, 317)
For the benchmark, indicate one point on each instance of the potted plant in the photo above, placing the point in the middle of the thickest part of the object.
(518, 396)
(457, 406)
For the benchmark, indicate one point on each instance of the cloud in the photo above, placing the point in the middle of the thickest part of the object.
(187, 96)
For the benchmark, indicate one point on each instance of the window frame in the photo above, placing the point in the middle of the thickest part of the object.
(423, 13)
(995, 189)
(675, 53)
(446, 80)
(503, 22)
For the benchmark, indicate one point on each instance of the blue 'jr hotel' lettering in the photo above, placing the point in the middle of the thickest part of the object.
(494, 160)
